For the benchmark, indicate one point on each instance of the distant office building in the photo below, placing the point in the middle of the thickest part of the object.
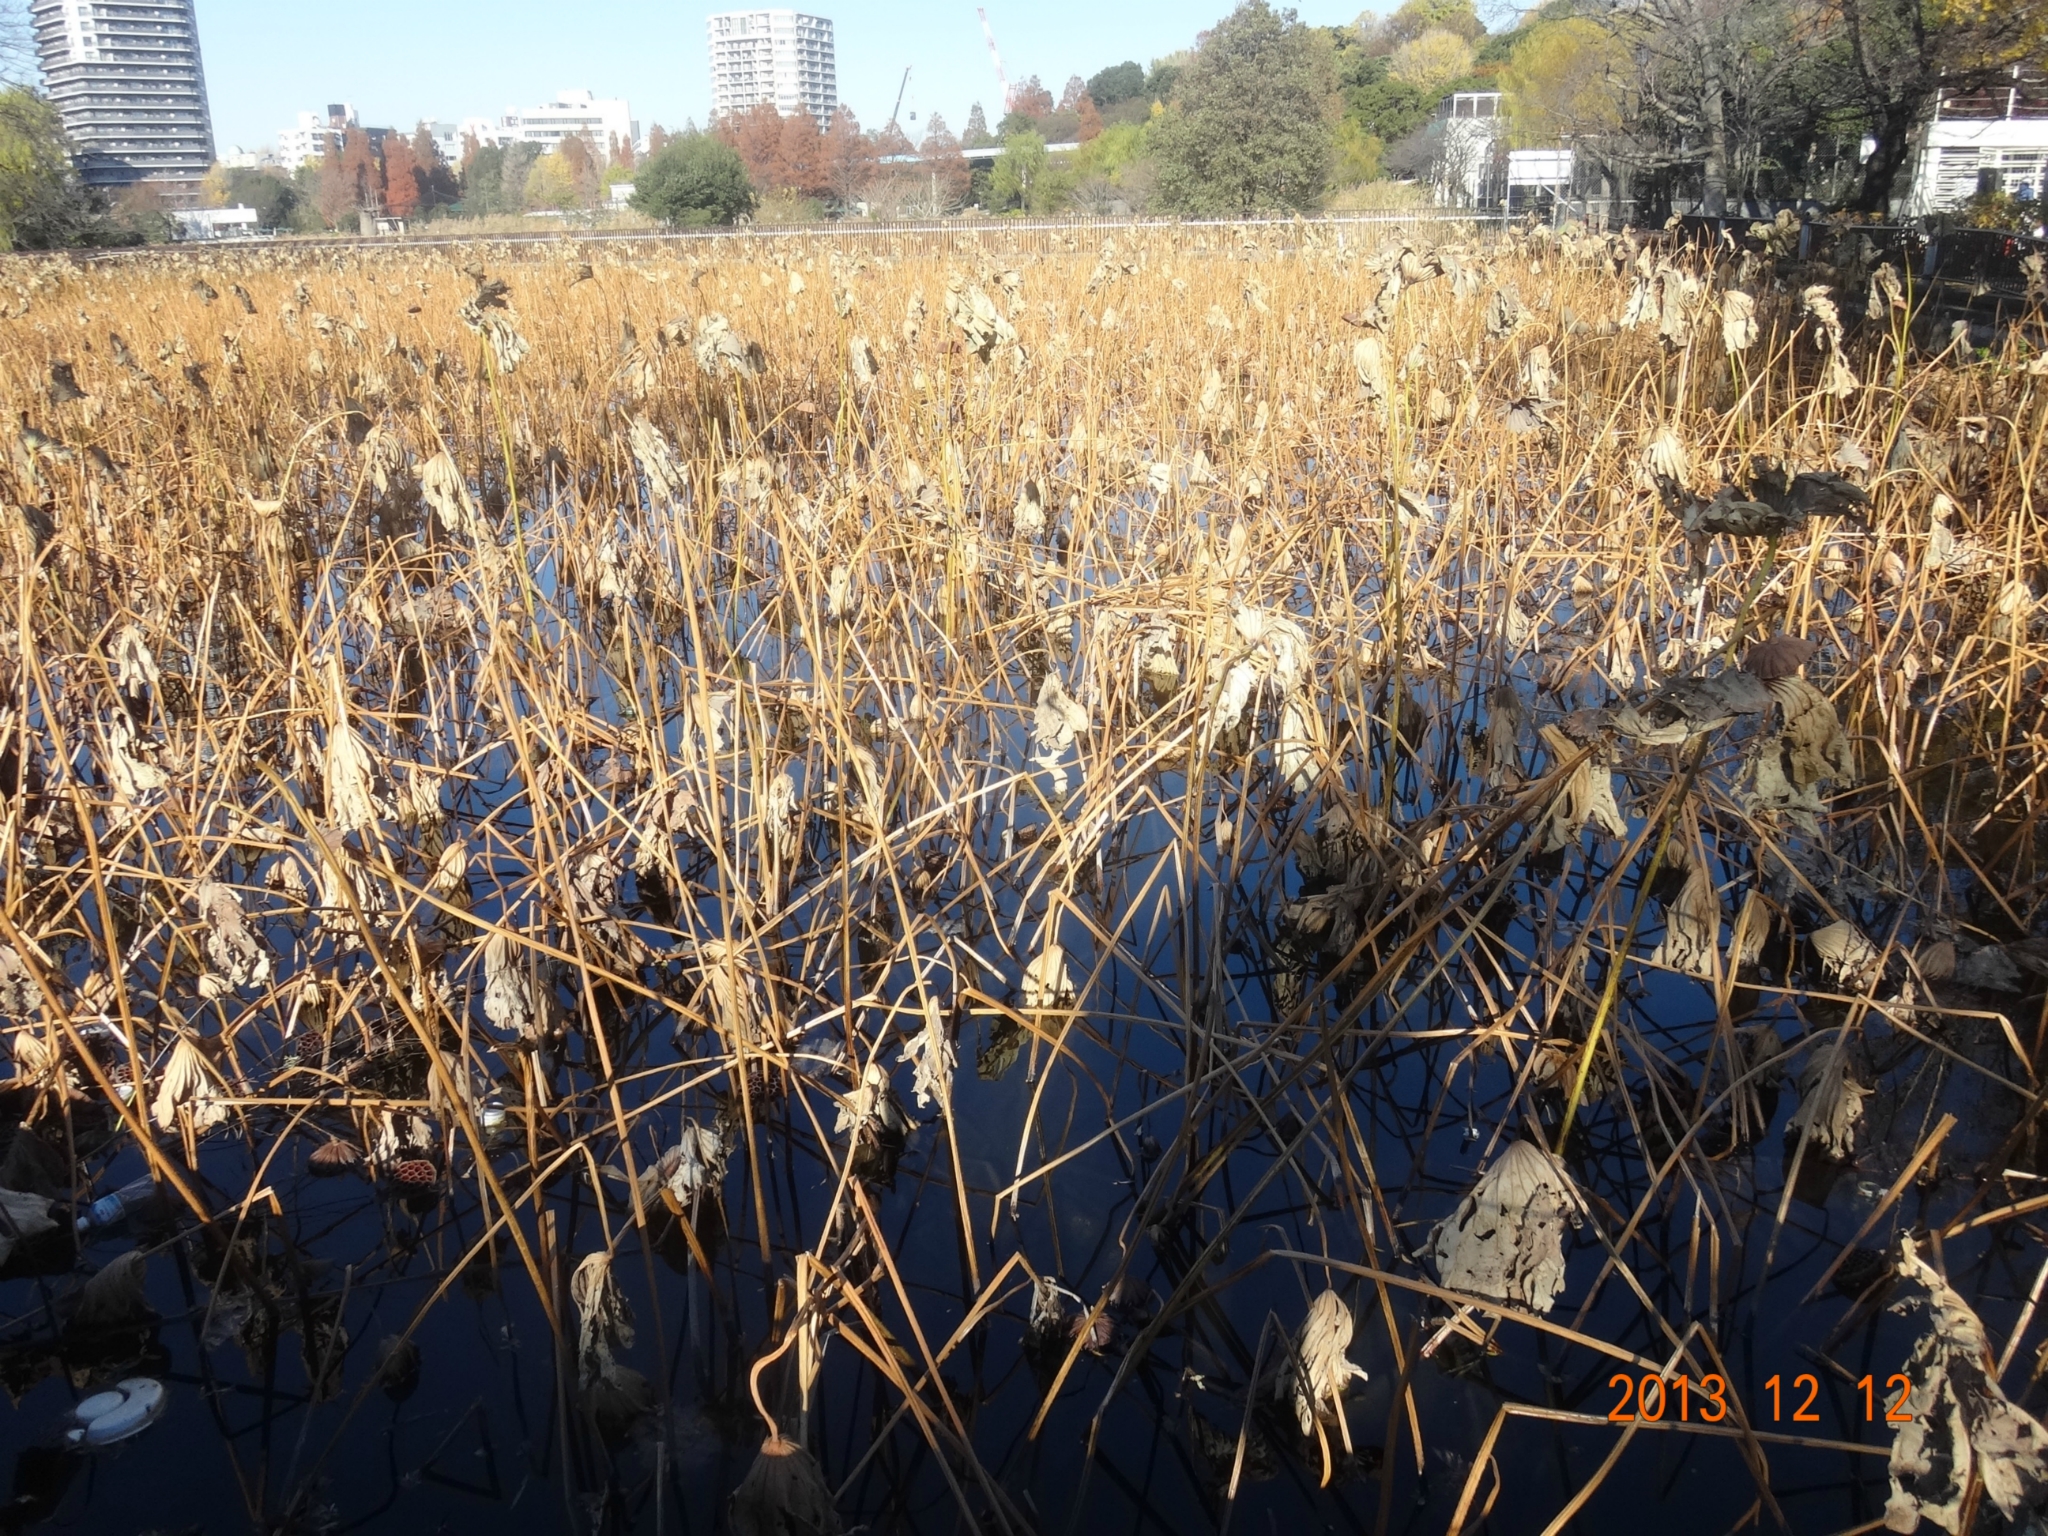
(309, 137)
(126, 79)
(783, 58)
(604, 120)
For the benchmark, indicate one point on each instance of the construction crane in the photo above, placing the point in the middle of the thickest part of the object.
(899, 98)
(1001, 79)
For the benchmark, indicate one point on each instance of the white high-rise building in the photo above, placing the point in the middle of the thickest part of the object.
(605, 120)
(308, 138)
(783, 58)
(126, 79)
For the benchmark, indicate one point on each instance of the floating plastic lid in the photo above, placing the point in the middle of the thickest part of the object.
(107, 1418)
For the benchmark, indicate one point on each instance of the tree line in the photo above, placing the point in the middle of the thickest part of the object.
(1702, 101)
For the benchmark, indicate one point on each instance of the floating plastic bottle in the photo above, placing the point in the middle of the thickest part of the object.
(109, 1211)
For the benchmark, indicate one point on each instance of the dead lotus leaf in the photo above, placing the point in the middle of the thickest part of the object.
(116, 1297)
(231, 946)
(191, 1085)
(1849, 959)
(1692, 925)
(1322, 1365)
(1688, 707)
(1817, 748)
(1781, 656)
(872, 1104)
(1047, 982)
(604, 1318)
(932, 1059)
(508, 991)
(1587, 795)
(1962, 1423)
(1506, 1238)
(1830, 1105)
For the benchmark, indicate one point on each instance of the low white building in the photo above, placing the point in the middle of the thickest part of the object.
(1993, 140)
(214, 223)
(604, 120)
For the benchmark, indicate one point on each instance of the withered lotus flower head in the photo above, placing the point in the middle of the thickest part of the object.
(784, 1494)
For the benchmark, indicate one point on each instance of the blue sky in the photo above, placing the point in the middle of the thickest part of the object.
(399, 62)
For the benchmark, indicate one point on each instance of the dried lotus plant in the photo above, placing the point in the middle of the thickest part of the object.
(1960, 1428)
(604, 1318)
(730, 994)
(657, 460)
(232, 947)
(1506, 1238)
(1847, 958)
(1692, 924)
(1585, 799)
(1830, 1105)
(1056, 723)
(1816, 747)
(22, 1216)
(509, 1001)
(872, 1106)
(1738, 320)
(1048, 983)
(1319, 1369)
(190, 1093)
(932, 1059)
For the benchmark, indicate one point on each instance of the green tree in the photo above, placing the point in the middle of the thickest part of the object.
(1251, 127)
(1432, 61)
(1562, 81)
(41, 201)
(696, 179)
(1359, 155)
(1164, 77)
(1458, 17)
(1019, 171)
(1119, 82)
(551, 183)
(275, 199)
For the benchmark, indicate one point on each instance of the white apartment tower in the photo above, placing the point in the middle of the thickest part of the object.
(783, 58)
(126, 79)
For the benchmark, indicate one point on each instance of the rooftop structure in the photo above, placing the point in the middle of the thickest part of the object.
(784, 59)
(1990, 140)
(126, 79)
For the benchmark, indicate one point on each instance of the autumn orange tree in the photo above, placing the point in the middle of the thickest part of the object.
(848, 159)
(401, 179)
(757, 135)
(803, 156)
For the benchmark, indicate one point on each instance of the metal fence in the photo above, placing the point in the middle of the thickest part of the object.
(1020, 236)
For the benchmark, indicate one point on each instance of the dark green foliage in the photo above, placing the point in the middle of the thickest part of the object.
(275, 199)
(1119, 82)
(696, 179)
(1250, 129)
(43, 205)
